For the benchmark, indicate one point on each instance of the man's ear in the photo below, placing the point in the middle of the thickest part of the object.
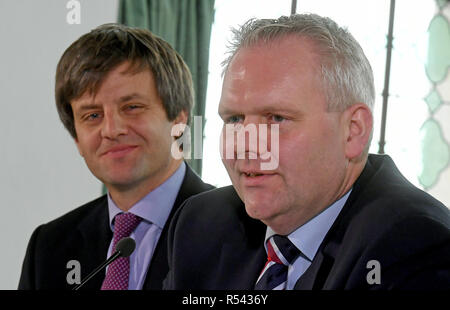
(359, 123)
(182, 118)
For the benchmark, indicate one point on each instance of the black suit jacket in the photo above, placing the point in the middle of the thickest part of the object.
(214, 244)
(84, 235)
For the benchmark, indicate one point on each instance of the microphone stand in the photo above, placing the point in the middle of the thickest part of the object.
(93, 273)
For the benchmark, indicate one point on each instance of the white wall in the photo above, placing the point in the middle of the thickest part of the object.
(42, 175)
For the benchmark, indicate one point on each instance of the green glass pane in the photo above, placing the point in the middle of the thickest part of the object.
(435, 153)
(438, 60)
(433, 100)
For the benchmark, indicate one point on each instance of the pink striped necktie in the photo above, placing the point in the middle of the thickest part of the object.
(119, 271)
(281, 253)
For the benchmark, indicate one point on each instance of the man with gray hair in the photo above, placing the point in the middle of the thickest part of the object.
(329, 216)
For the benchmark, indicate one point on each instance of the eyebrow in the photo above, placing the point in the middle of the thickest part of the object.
(130, 97)
(90, 106)
(262, 110)
(93, 106)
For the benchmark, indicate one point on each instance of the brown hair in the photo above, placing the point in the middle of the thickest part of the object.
(88, 60)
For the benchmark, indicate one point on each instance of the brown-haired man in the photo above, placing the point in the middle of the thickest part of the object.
(119, 91)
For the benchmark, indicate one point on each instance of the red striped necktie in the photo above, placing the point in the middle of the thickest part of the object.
(281, 253)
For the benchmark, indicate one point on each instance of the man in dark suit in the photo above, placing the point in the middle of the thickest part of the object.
(120, 92)
(309, 207)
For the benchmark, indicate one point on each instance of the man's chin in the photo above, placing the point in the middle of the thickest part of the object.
(119, 183)
(258, 210)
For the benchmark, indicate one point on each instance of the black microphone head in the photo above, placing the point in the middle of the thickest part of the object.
(125, 246)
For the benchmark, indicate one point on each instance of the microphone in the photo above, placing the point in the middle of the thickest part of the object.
(124, 248)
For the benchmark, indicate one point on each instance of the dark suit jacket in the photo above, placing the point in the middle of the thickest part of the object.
(84, 235)
(214, 244)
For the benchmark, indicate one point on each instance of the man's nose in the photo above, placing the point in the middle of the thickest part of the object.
(248, 137)
(113, 125)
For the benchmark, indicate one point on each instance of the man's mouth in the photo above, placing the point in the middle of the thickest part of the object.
(256, 178)
(253, 174)
(119, 151)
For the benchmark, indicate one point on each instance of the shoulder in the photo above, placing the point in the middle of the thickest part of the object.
(192, 183)
(65, 238)
(68, 232)
(208, 233)
(73, 220)
(219, 212)
(223, 202)
(382, 197)
(387, 214)
(388, 219)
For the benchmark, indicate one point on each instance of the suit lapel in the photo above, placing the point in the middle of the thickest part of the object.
(240, 276)
(245, 244)
(158, 267)
(96, 236)
(306, 281)
(317, 276)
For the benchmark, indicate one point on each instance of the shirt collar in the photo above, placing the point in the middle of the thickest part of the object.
(308, 237)
(155, 207)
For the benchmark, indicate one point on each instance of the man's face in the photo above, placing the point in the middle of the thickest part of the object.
(123, 131)
(279, 84)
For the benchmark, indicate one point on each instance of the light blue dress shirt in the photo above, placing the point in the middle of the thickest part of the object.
(154, 209)
(308, 237)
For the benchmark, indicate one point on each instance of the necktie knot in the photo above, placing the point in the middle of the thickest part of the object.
(124, 224)
(281, 253)
(284, 250)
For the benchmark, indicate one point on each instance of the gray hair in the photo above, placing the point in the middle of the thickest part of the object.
(346, 73)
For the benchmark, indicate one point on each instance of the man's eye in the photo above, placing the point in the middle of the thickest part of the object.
(92, 116)
(132, 107)
(277, 118)
(233, 119)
